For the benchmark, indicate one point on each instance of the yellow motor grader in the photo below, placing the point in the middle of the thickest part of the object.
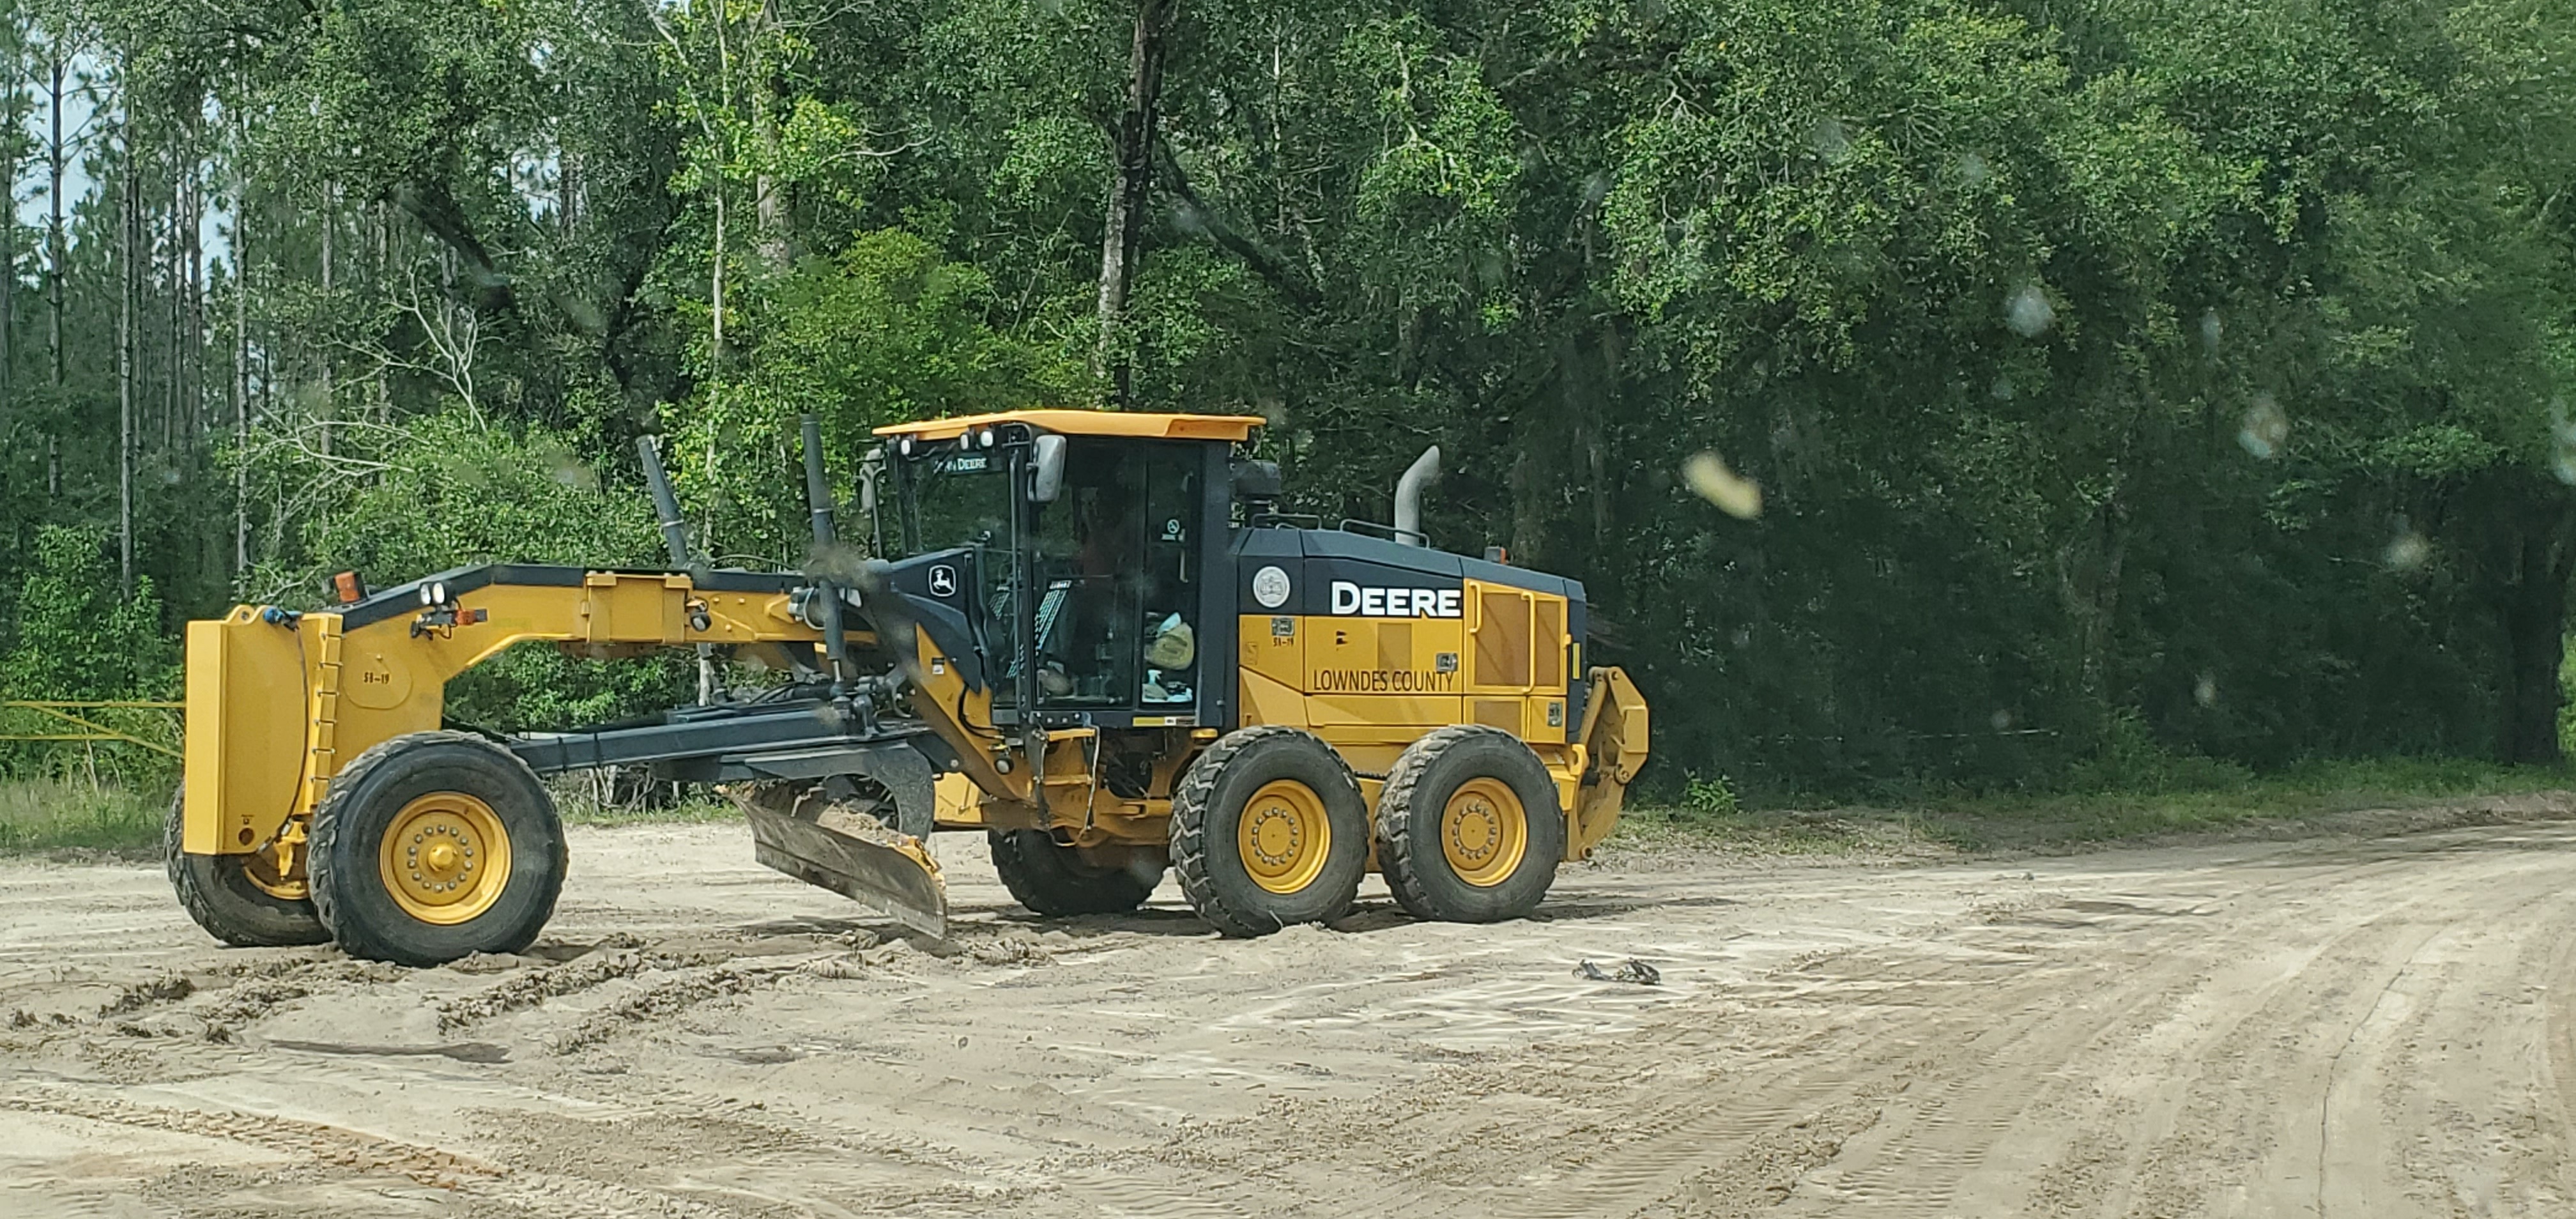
(1091, 636)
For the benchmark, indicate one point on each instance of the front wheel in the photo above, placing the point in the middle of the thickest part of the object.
(434, 846)
(242, 900)
(1268, 830)
(1053, 879)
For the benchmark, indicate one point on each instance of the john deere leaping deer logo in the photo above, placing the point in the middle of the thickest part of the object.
(943, 581)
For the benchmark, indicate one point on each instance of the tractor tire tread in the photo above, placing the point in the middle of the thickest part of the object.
(361, 941)
(1051, 880)
(1190, 847)
(1405, 868)
(250, 919)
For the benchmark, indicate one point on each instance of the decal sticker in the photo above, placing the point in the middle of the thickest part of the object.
(943, 581)
(1370, 601)
(1382, 681)
(1270, 587)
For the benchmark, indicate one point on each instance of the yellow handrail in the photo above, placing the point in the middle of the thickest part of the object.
(62, 709)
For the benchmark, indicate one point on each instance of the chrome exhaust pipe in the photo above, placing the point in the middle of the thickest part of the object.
(1408, 497)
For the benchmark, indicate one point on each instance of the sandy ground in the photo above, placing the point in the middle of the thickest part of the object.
(2352, 1027)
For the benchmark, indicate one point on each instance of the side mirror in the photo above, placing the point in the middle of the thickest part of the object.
(871, 468)
(872, 472)
(1049, 480)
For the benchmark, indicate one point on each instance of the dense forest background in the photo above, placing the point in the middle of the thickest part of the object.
(2125, 381)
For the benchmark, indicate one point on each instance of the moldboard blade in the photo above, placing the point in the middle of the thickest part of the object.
(855, 855)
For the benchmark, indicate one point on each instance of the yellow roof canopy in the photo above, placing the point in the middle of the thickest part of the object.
(1090, 423)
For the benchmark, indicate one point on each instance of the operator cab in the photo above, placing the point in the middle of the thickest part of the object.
(1085, 551)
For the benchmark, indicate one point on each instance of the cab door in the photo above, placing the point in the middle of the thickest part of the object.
(1115, 577)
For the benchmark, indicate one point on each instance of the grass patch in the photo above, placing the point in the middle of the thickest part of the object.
(43, 816)
(2219, 801)
(578, 804)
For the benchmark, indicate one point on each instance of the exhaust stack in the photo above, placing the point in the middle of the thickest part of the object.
(675, 539)
(675, 532)
(818, 503)
(1408, 497)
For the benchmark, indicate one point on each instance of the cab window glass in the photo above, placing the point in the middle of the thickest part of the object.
(1113, 576)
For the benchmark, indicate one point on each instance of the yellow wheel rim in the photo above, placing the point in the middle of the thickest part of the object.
(262, 871)
(1284, 836)
(278, 868)
(1484, 832)
(445, 858)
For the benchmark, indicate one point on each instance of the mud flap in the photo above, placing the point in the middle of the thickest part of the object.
(840, 846)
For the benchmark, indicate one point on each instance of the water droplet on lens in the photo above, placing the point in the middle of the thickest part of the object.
(1829, 140)
(2028, 312)
(2407, 552)
(575, 475)
(2562, 442)
(2266, 428)
(1735, 495)
(840, 563)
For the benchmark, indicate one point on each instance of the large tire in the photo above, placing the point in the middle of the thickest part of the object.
(1246, 821)
(217, 891)
(481, 853)
(1057, 880)
(1468, 827)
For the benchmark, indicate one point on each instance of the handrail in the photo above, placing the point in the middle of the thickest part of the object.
(62, 709)
(1392, 533)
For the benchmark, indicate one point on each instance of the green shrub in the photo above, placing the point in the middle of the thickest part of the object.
(2132, 760)
(56, 816)
(72, 637)
(1709, 797)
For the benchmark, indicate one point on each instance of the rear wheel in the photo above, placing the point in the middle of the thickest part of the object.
(1053, 879)
(1268, 830)
(434, 846)
(1468, 827)
(246, 901)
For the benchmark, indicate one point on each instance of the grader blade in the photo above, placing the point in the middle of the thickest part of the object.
(846, 850)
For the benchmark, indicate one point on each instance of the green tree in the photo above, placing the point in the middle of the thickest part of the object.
(72, 637)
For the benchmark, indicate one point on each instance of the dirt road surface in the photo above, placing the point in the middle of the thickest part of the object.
(2339, 1028)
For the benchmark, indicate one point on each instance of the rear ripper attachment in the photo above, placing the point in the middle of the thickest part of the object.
(1089, 635)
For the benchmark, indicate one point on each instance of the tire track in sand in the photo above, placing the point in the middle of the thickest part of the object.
(314, 1142)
